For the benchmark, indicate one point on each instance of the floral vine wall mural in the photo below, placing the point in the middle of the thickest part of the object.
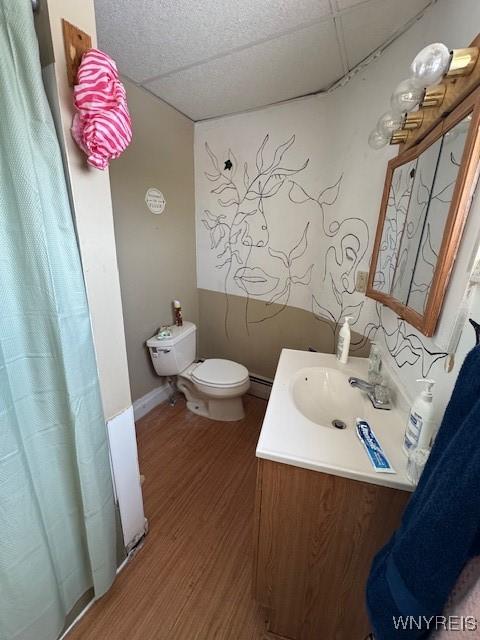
(308, 256)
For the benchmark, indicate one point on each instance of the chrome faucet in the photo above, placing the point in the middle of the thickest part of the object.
(378, 394)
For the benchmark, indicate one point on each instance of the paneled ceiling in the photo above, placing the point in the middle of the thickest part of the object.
(209, 58)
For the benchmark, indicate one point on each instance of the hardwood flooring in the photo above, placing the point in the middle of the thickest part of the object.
(192, 578)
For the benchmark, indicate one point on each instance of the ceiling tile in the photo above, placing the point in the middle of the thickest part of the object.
(370, 25)
(293, 65)
(148, 38)
(347, 4)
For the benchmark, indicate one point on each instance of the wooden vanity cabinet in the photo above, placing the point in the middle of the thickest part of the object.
(315, 537)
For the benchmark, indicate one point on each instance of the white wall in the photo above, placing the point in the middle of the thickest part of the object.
(92, 211)
(90, 190)
(331, 130)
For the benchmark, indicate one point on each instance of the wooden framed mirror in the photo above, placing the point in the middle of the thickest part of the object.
(426, 199)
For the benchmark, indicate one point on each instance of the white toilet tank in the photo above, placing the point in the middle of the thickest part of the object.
(170, 356)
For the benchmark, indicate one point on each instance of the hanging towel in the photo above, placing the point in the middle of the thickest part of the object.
(101, 125)
(440, 529)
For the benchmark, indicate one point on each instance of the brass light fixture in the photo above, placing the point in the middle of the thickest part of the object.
(413, 120)
(463, 62)
(434, 95)
(399, 137)
(439, 76)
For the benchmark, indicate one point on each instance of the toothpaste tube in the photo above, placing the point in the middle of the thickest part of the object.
(374, 451)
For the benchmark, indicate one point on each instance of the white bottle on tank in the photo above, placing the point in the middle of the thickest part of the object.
(343, 344)
(421, 424)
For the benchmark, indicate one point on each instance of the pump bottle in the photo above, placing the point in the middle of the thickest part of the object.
(420, 425)
(343, 345)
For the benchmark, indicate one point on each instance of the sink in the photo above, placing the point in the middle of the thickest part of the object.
(324, 396)
(309, 392)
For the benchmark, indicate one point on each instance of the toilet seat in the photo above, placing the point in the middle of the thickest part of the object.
(220, 373)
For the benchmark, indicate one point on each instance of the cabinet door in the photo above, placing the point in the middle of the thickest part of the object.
(316, 537)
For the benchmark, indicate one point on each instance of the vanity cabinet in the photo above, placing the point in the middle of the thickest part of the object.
(315, 537)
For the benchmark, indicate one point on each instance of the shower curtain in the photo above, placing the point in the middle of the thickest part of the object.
(57, 522)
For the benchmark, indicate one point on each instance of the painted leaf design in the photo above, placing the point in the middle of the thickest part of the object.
(284, 171)
(329, 195)
(300, 248)
(285, 292)
(274, 189)
(246, 179)
(305, 279)
(222, 187)
(217, 236)
(280, 255)
(233, 160)
(208, 225)
(224, 264)
(227, 203)
(254, 281)
(212, 156)
(213, 177)
(234, 237)
(336, 292)
(297, 194)
(280, 152)
(321, 312)
(212, 217)
(354, 311)
(259, 158)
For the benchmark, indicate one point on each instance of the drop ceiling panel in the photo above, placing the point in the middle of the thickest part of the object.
(347, 4)
(283, 68)
(149, 38)
(371, 24)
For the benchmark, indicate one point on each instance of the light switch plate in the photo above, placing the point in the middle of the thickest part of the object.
(361, 282)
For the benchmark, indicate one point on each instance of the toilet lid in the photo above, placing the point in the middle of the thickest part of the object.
(220, 373)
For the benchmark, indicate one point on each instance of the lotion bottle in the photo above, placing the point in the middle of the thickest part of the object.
(343, 344)
(420, 425)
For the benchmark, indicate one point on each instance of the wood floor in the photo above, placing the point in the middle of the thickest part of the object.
(192, 578)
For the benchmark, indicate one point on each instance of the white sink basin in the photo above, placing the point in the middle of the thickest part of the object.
(311, 390)
(323, 395)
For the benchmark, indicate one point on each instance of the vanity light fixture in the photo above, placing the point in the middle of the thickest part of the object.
(406, 96)
(376, 140)
(434, 95)
(389, 122)
(413, 120)
(430, 64)
(463, 62)
(423, 89)
(399, 137)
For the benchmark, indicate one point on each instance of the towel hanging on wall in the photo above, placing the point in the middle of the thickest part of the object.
(101, 125)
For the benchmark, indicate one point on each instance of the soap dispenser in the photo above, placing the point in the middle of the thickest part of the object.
(420, 425)
(343, 345)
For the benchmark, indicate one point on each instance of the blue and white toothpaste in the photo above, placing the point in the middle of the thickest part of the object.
(379, 460)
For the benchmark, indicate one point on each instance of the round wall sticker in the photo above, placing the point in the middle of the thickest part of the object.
(155, 200)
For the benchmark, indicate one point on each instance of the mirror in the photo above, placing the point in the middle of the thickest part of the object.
(426, 198)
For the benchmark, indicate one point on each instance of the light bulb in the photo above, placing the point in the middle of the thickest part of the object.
(390, 122)
(406, 96)
(376, 140)
(430, 64)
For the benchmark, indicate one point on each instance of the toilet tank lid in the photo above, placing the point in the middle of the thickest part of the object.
(178, 333)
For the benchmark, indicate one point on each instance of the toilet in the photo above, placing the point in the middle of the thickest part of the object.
(213, 388)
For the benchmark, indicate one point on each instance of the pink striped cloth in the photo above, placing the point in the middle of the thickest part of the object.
(101, 125)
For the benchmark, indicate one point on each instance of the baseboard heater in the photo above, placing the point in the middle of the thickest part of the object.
(260, 387)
